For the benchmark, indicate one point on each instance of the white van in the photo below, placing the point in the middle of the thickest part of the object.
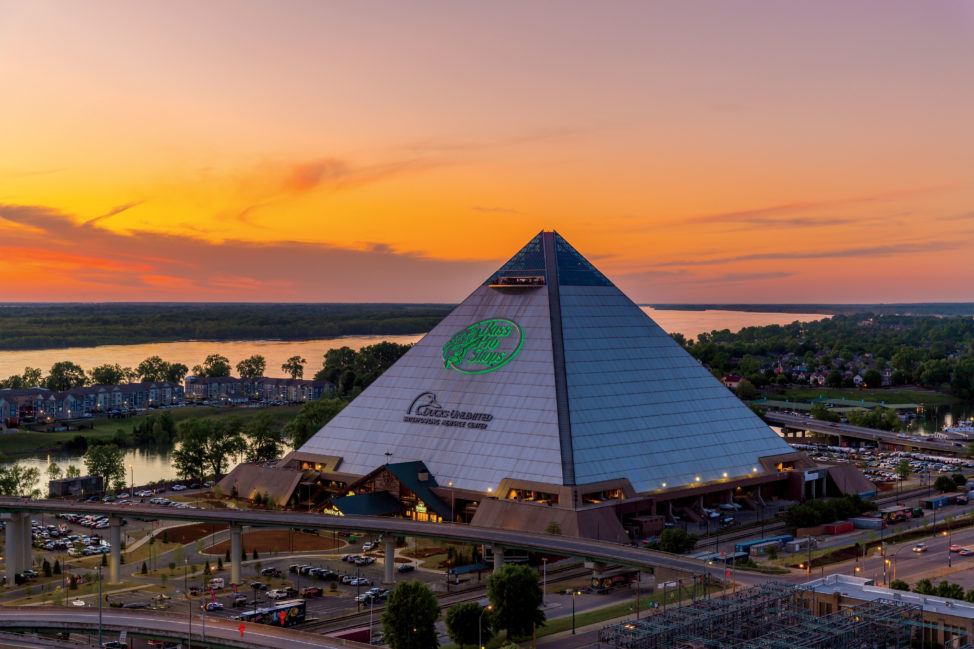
(217, 582)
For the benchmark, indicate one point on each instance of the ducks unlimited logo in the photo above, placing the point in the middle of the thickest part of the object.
(483, 346)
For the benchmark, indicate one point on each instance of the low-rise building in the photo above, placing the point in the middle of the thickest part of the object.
(88, 485)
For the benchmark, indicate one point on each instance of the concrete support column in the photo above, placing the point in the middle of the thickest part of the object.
(14, 539)
(27, 544)
(115, 556)
(390, 547)
(498, 557)
(235, 554)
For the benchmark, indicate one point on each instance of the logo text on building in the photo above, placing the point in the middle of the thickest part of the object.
(483, 346)
(425, 409)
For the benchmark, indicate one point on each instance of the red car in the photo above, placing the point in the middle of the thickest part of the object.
(311, 591)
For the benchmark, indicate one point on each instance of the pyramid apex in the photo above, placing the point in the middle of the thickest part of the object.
(547, 258)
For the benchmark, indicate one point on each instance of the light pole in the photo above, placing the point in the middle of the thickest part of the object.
(480, 626)
(132, 479)
(453, 500)
(99, 607)
(544, 581)
(371, 608)
(574, 592)
(947, 534)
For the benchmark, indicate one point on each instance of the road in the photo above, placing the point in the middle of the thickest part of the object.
(219, 633)
(861, 432)
(588, 549)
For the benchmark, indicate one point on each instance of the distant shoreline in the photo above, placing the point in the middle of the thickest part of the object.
(918, 308)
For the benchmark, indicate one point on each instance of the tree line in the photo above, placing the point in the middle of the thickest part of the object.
(934, 352)
(43, 326)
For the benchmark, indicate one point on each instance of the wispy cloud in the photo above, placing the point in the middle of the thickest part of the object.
(75, 260)
(885, 250)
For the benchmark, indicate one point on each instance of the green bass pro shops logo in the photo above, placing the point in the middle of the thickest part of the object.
(483, 346)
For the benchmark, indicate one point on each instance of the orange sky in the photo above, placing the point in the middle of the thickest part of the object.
(757, 151)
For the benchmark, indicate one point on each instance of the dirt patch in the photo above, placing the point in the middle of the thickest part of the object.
(189, 533)
(423, 553)
(266, 541)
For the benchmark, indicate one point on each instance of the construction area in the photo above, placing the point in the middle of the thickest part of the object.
(776, 615)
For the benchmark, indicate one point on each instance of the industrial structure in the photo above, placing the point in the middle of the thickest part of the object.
(777, 615)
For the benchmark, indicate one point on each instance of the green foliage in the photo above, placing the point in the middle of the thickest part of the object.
(944, 484)
(879, 418)
(255, 555)
(65, 375)
(206, 446)
(819, 511)
(219, 562)
(213, 365)
(409, 620)
(351, 370)
(41, 326)
(109, 374)
(899, 584)
(903, 469)
(310, 418)
(57, 567)
(253, 367)
(57, 598)
(463, 620)
(675, 541)
(746, 390)
(18, 480)
(294, 366)
(145, 568)
(46, 568)
(157, 429)
(959, 479)
(872, 379)
(264, 438)
(72, 472)
(53, 471)
(514, 592)
(107, 461)
(822, 412)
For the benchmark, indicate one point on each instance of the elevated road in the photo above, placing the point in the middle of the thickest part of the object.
(587, 549)
(220, 633)
(886, 439)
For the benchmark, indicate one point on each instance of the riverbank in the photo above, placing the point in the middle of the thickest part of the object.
(880, 395)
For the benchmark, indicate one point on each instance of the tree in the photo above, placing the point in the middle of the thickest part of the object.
(746, 390)
(924, 587)
(515, 594)
(64, 376)
(107, 461)
(821, 411)
(903, 469)
(252, 368)
(409, 620)
(191, 456)
(213, 365)
(176, 372)
(834, 379)
(462, 622)
(31, 377)
(18, 480)
(72, 472)
(108, 374)
(294, 366)
(53, 471)
(58, 597)
(676, 541)
(153, 369)
(872, 379)
(959, 479)
(944, 484)
(899, 584)
(264, 440)
(310, 418)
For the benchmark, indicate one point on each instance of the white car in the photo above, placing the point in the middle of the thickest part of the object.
(280, 593)
(178, 487)
(368, 545)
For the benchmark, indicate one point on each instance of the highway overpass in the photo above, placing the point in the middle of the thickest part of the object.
(220, 633)
(17, 512)
(792, 424)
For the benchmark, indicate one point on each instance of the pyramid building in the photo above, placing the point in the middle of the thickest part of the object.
(547, 385)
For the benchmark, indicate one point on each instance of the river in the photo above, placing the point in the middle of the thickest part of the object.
(151, 465)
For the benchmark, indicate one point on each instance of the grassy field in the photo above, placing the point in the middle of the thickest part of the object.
(34, 443)
(892, 395)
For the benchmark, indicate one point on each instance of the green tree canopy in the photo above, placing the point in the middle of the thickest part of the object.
(108, 374)
(213, 365)
(310, 418)
(515, 593)
(294, 366)
(252, 368)
(676, 541)
(409, 620)
(18, 480)
(873, 379)
(746, 390)
(64, 376)
(107, 461)
(463, 620)
(264, 438)
(153, 369)
(944, 484)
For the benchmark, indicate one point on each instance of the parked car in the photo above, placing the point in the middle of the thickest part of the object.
(212, 606)
(966, 552)
(311, 591)
(406, 567)
(239, 600)
(178, 487)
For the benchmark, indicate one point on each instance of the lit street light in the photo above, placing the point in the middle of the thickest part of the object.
(480, 626)
(574, 592)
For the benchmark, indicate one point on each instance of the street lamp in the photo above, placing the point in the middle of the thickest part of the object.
(453, 500)
(947, 534)
(574, 592)
(544, 580)
(480, 626)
